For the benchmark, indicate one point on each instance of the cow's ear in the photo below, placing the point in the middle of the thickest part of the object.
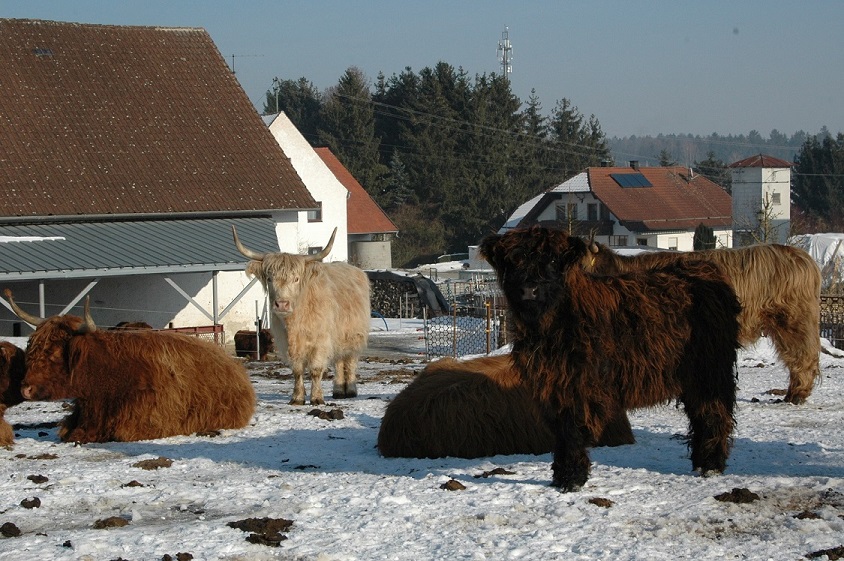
(488, 248)
(255, 269)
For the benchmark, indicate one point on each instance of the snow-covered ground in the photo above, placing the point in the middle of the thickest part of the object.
(348, 503)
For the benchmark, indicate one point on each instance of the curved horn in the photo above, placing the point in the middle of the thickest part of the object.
(28, 318)
(245, 250)
(326, 250)
(89, 326)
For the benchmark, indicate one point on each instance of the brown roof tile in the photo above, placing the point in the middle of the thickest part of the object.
(364, 214)
(117, 120)
(673, 201)
(761, 161)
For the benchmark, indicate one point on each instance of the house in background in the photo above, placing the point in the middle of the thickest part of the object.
(761, 187)
(341, 199)
(128, 153)
(371, 231)
(330, 195)
(655, 207)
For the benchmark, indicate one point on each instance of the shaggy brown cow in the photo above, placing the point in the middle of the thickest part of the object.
(779, 288)
(130, 325)
(473, 408)
(245, 343)
(590, 344)
(132, 385)
(320, 314)
(12, 369)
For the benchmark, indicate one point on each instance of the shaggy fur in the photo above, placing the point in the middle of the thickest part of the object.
(245, 344)
(473, 408)
(321, 314)
(779, 289)
(12, 369)
(134, 385)
(589, 345)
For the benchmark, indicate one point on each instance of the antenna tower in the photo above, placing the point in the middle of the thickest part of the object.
(505, 53)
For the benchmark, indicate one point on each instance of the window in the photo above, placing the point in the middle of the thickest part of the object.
(315, 215)
(592, 211)
(642, 241)
(775, 198)
(604, 212)
(566, 212)
(618, 241)
(672, 243)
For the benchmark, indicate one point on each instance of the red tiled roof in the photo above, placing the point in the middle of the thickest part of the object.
(761, 161)
(364, 214)
(117, 120)
(673, 201)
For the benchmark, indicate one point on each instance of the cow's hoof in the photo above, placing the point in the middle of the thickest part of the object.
(344, 394)
(317, 401)
(297, 402)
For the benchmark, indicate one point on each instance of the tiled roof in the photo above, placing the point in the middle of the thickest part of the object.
(364, 214)
(117, 120)
(761, 161)
(673, 201)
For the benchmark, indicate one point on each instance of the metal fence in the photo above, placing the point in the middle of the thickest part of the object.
(832, 319)
(477, 323)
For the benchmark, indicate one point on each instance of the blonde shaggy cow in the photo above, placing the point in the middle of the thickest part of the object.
(320, 314)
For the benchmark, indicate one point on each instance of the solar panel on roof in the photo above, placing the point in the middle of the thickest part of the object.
(631, 180)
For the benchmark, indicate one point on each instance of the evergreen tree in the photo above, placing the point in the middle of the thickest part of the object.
(300, 101)
(704, 238)
(348, 129)
(715, 170)
(818, 180)
(666, 159)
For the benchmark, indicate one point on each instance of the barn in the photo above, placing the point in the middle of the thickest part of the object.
(128, 155)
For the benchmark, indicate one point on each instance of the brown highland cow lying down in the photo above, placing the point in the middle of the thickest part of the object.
(11, 374)
(132, 385)
(470, 409)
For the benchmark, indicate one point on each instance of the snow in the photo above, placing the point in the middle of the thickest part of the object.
(348, 503)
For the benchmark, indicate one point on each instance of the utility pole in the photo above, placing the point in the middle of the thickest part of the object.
(505, 53)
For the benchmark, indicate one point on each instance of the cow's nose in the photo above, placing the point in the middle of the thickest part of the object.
(530, 292)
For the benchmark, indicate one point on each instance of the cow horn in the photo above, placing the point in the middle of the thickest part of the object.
(245, 250)
(593, 247)
(33, 320)
(89, 326)
(326, 250)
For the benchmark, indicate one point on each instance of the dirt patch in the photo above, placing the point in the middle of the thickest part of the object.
(453, 485)
(159, 462)
(264, 531)
(496, 471)
(600, 501)
(333, 415)
(739, 495)
(110, 522)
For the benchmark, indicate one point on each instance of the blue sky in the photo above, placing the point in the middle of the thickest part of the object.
(643, 67)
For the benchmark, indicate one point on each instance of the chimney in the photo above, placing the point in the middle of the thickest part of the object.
(634, 164)
(605, 163)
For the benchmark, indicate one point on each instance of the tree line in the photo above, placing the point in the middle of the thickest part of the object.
(449, 157)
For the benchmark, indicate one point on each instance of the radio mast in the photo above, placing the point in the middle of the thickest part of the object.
(505, 53)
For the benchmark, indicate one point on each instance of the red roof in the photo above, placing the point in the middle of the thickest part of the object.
(673, 201)
(761, 161)
(119, 120)
(364, 214)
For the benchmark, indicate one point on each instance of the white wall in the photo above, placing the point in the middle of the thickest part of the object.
(323, 186)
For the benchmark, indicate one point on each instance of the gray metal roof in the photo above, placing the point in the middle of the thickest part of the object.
(98, 249)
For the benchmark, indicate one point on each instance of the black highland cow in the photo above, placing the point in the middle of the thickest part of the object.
(590, 344)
